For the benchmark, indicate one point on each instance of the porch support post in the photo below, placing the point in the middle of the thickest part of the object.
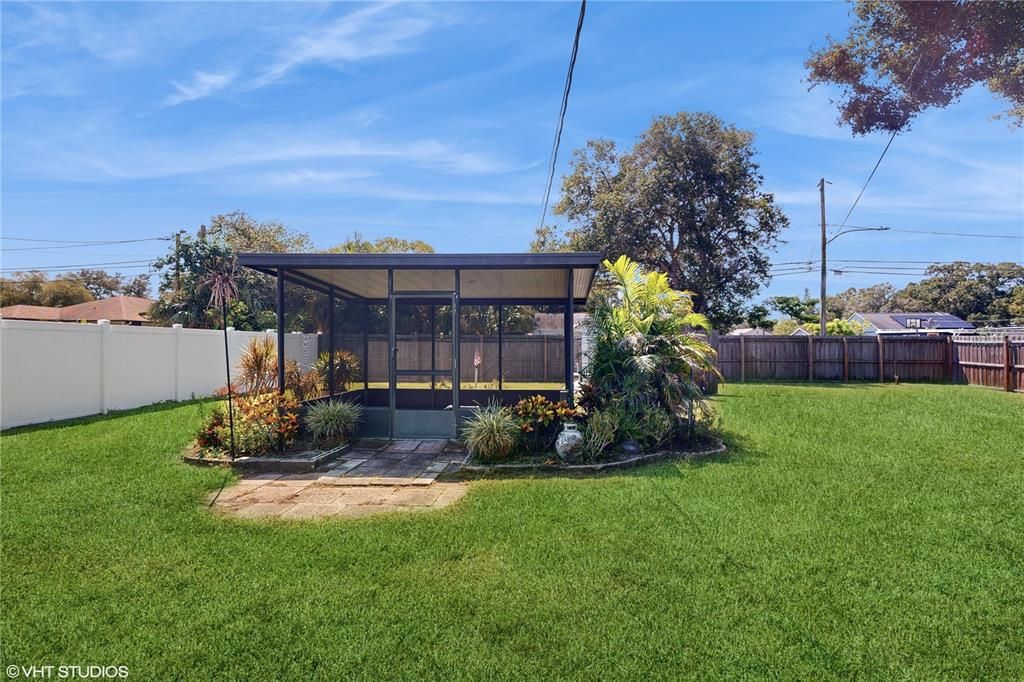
(501, 333)
(392, 352)
(570, 346)
(330, 341)
(280, 331)
(366, 351)
(456, 353)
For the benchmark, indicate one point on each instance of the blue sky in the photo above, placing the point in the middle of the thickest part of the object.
(434, 122)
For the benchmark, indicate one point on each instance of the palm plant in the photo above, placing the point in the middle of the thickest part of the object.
(650, 347)
(223, 289)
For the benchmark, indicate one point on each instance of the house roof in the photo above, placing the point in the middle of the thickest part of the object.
(30, 312)
(898, 321)
(115, 309)
(539, 277)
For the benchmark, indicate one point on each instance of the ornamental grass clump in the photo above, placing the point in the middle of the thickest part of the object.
(492, 433)
(332, 422)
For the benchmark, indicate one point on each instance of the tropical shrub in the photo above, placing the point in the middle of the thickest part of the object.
(492, 433)
(207, 436)
(539, 418)
(257, 367)
(600, 433)
(346, 369)
(262, 423)
(332, 421)
(649, 352)
(302, 385)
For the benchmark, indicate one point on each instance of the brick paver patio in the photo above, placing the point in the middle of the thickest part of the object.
(370, 478)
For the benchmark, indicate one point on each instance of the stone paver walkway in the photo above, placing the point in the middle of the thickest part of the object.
(400, 462)
(371, 478)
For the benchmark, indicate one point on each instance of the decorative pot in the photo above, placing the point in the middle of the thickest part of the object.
(569, 442)
(630, 447)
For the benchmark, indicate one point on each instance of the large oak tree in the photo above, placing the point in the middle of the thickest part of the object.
(687, 199)
(900, 58)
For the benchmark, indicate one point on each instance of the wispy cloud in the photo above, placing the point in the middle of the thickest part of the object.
(202, 84)
(310, 177)
(374, 31)
(109, 156)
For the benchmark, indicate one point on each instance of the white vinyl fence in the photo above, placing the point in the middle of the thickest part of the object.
(60, 370)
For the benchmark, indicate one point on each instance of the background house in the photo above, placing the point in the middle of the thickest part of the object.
(129, 310)
(912, 323)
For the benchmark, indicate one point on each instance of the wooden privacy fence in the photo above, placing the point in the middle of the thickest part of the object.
(981, 360)
(537, 358)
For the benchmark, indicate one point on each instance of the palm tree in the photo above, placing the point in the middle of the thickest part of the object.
(650, 348)
(221, 279)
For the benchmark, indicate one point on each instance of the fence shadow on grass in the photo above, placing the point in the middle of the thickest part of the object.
(164, 406)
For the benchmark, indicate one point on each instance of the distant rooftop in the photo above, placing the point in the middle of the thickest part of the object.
(115, 309)
(913, 321)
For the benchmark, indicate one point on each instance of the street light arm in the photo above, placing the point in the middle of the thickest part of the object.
(856, 229)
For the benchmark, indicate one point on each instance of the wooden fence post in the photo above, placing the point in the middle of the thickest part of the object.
(949, 359)
(810, 358)
(846, 362)
(743, 359)
(1007, 364)
(881, 361)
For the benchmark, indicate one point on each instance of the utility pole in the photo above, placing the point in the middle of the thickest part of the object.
(824, 244)
(177, 262)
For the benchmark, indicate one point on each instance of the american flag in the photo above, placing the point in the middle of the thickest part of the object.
(477, 360)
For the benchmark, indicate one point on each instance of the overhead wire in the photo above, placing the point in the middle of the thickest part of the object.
(561, 116)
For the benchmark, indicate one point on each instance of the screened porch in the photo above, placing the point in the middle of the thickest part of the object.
(427, 332)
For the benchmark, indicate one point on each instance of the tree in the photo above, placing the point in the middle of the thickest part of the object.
(835, 328)
(1015, 305)
(62, 292)
(971, 291)
(242, 233)
(356, 244)
(877, 298)
(220, 280)
(801, 309)
(901, 58)
(757, 317)
(102, 284)
(687, 199)
(25, 288)
(253, 308)
(786, 327)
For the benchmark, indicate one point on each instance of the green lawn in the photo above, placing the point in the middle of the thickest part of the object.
(854, 531)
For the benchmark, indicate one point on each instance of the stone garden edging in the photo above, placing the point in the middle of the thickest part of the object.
(268, 464)
(637, 460)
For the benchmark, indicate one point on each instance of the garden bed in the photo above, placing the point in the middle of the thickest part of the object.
(706, 447)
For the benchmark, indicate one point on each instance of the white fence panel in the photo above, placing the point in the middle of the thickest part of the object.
(60, 370)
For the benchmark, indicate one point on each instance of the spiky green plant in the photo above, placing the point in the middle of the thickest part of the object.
(332, 421)
(492, 433)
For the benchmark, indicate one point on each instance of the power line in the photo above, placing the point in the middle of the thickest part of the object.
(561, 115)
(81, 242)
(51, 268)
(938, 232)
(871, 175)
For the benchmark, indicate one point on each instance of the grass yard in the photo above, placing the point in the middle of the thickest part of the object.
(853, 531)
